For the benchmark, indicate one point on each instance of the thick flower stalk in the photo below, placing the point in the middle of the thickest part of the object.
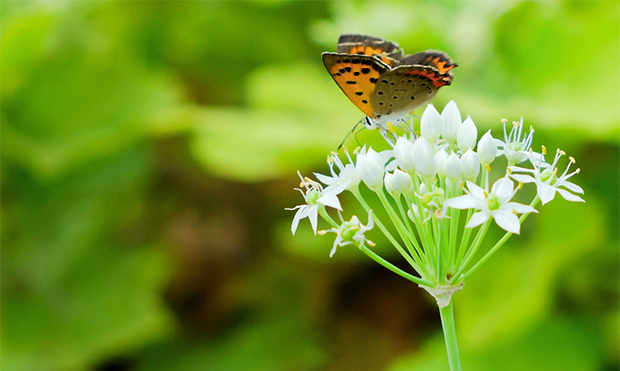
(434, 189)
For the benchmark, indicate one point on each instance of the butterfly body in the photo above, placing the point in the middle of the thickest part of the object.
(383, 83)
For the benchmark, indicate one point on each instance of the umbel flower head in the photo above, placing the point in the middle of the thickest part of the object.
(429, 180)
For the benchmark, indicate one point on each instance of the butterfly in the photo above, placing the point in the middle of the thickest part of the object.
(381, 81)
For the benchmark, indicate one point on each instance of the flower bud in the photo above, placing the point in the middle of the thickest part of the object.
(430, 124)
(440, 160)
(424, 158)
(487, 149)
(397, 183)
(467, 135)
(453, 168)
(471, 165)
(450, 121)
(370, 168)
(403, 153)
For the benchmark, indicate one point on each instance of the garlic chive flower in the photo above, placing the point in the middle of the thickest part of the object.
(397, 183)
(430, 124)
(515, 148)
(351, 233)
(471, 165)
(467, 135)
(494, 205)
(347, 173)
(371, 167)
(487, 149)
(316, 197)
(436, 180)
(546, 179)
(450, 121)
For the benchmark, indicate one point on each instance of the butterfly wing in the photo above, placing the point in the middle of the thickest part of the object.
(357, 76)
(434, 58)
(389, 52)
(404, 88)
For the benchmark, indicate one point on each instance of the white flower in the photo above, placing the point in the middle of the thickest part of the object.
(487, 149)
(450, 121)
(440, 161)
(397, 183)
(424, 158)
(515, 148)
(403, 154)
(371, 167)
(471, 165)
(547, 181)
(347, 173)
(467, 135)
(495, 205)
(453, 168)
(430, 124)
(315, 197)
(351, 233)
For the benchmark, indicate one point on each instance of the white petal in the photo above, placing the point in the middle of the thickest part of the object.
(331, 253)
(330, 200)
(519, 208)
(570, 186)
(339, 189)
(476, 191)
(545, 192)
(299, 215)
(523, 178)
(503, 188)
(521, 169)
(569, 196)
(327, 179)
(507, 221)
(312, 216)
(462, 202)
(477, 219)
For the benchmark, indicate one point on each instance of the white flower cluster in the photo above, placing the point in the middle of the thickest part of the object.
(431, 178)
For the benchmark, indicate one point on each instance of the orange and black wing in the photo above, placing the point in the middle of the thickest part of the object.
(357, 76)
(404, 88)
(389, 52)
(434, 58)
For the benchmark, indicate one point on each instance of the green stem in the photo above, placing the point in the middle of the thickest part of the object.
(472, 252)
(385, 231)
(449, 332)
(393, 268)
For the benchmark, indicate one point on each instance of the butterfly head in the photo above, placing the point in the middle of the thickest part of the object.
(369, 123)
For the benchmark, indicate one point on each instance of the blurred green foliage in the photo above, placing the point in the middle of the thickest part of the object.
(149, 149)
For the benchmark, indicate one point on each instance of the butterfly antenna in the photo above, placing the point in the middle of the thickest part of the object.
(349, 133)
(357, 132)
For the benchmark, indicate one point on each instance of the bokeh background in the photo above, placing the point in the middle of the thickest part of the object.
(149, 150)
